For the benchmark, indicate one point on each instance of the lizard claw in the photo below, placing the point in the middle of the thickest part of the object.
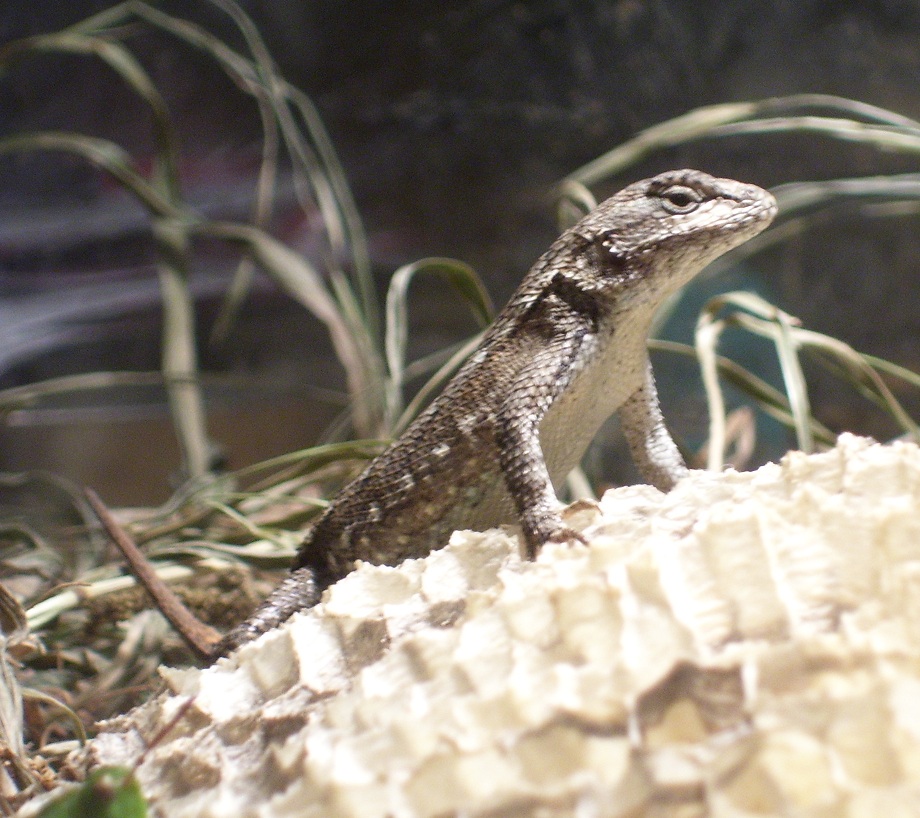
(559, 533)
(567, 535)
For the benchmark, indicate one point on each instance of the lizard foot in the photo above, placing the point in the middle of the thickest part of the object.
(558, 532)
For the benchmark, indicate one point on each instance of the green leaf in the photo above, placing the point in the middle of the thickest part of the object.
(109, 792)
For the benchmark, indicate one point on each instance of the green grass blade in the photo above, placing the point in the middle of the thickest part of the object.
(693, 125)
(708, 330)
(794, 378)
(179, 353)
(881, 128)
(464, 281)
(436, 383)
(101, 153)
(119, 59)
(169, 222)
(913, 378)
(762, 318)
(314, 156)
(318, 176)
(308, 460)
(303, 283)
(20, 397)
(776, 325)
(860, 371)
(769, 399)
(884, 137)
(574, 201)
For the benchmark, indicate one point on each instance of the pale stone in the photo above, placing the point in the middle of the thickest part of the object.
(747, 645)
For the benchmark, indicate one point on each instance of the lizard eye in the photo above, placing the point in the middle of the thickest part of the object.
(680, 199)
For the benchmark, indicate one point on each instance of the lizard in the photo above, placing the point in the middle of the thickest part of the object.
(567, 351)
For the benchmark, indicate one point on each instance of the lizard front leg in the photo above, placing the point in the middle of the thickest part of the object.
(653, 449)
(538, 384)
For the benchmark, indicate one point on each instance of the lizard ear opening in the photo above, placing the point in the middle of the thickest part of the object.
(609, 254)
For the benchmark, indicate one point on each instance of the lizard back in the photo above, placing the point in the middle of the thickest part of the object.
(567, 351)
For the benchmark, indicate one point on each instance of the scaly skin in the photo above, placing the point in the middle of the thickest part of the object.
(567, 351)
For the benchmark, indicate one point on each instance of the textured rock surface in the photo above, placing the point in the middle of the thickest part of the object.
(747, 645)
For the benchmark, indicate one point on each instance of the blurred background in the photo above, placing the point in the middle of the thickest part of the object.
(453, 122)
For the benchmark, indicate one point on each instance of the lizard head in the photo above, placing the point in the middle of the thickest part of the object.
(664, 230)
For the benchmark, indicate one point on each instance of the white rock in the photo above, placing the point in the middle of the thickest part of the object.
(748, 644)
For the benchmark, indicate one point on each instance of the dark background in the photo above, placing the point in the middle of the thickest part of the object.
(453, 121)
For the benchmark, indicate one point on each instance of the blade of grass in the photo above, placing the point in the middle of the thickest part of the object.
(435, 383)
(794, 378)
(347, 224)
(574, 201)
(169, 229)
(258, 78)
(274, 554)
(693, 125)
(730, 118)
(769, 399)
(317, 168)
(460, 276)
(319, 160)
(708, 331)
(120, 60)
(258, 532)
(307, 460)
(11, 715)
(913, 378)
(884, 137)
(428, 364)
(304, 284)
(368, 401)
(854, 107)
(762, 318)
(859, 370)
(316, 163)
(179, 353)
(100, 153)
(776, 325)
(262, 210)
(49, 609)
(316, 158)
(852, 366)
(797, 196)
(33, 695)
(20, 397)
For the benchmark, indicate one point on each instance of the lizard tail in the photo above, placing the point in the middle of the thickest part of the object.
(297, 592)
